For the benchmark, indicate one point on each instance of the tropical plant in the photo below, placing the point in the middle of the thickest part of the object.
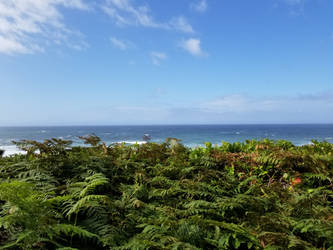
(246, 195)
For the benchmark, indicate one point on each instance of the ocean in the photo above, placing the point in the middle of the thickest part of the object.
(191, 135)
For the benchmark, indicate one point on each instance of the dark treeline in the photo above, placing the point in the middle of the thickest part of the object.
(253, 195)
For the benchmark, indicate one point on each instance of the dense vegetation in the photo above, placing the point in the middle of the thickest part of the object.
(253, 195)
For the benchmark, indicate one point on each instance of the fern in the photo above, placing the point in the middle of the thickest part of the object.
(252, 195)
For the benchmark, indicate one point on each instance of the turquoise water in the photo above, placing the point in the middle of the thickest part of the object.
(191, 135)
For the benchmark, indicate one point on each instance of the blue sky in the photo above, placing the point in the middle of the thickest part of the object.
(80, 62)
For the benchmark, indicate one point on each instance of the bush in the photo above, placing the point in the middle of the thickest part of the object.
(253, 195)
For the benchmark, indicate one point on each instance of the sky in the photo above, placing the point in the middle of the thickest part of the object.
(115, 62)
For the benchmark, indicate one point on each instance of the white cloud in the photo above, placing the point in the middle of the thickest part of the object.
(199, 6)
(10, 46)
(294, 7)
(181, 24)
(193, 46)
(234, 103)
(239, 103)
(156, 107)
(26, 26)
(157, 57)
(293, 2)
(235, 108)
(131, 62)
(121, 44)
(123, 12)
(77, 4)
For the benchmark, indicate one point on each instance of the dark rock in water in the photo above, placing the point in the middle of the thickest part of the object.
(2, 152)
(146, 137)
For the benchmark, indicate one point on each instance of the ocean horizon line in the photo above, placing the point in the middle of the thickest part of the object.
(183, 124)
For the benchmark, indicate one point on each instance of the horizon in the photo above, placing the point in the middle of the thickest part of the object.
(152, 125)
(136, 62)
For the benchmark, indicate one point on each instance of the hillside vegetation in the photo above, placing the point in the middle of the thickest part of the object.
(253, 195)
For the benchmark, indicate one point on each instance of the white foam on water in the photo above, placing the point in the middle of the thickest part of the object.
(11, 150)
(304, 144)
(194, 145)
(132, 142)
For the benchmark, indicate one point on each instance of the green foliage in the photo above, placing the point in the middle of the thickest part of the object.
(252, 195)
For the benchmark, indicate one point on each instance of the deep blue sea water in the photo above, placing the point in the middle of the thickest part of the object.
(191, 135)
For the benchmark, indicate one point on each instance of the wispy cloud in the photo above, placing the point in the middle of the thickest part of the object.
(27, 26)
(131, 62)
(181, 24)
(193, 46)
(240, 103)
(10, 45)
(199, 6)
(124, 13)
(160, 108)
(234, 108)
(121, 44)
(295, 7)
(242, 108)
(293, 2)
(157, 57)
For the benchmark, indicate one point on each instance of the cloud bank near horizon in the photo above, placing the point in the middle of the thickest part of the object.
(228, 109)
